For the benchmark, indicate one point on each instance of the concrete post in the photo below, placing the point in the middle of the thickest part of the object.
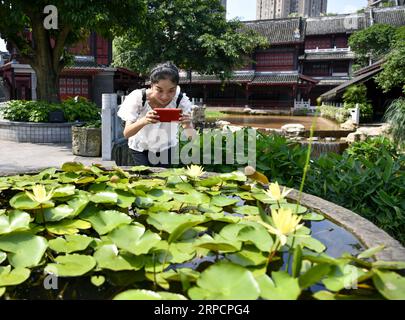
(108, 102)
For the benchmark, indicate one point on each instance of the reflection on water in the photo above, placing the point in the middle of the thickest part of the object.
(276, 122)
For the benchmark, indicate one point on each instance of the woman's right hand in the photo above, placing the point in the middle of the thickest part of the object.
(150, 117)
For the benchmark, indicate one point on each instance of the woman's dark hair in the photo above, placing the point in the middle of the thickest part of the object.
(165, 71)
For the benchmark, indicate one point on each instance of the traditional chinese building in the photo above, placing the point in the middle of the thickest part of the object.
(306, 58)
(89, 76)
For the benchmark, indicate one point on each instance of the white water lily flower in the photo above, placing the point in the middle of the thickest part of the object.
(194, 171)
(39, 194)
(274, 192)
(285, 223)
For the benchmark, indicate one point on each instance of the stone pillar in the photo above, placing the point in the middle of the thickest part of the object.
(109, 102)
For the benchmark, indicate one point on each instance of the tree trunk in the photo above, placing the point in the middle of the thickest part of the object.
(47, 84)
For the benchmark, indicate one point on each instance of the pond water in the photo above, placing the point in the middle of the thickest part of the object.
(276, 122)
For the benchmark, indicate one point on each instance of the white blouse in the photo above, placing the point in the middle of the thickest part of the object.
(154, 136)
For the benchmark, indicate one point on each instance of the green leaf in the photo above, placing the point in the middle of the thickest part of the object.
(108, 257)
(256, 234)
(297, 261)
(390, 284)
(13, 277)
(393, 265)
(97, 280)
(247, 257)
(104, 197)
(178, 232)
(342, 276)
(22, 202)
(233, 176)
(63, 191)
(78, 203)
(2, 289)
(308, 242)
(314, 275)
(160, 195)
(58, 213)
(106, 221)
(14, 221)
(72, 167)
(67, 226)
(70, 244)
(293, 207)
(221, 216)
(3, 256)
(24, 249)
(125, 199)
(282, 287)
(143, 202)
(370, 252)
(134, 239)
(169, 221)
(140, 168)
(71, 265)
(222, 201)
(218, 243)
(209, 182)
(139, 294)
(225, 281)
(247, 210)
(313, 216)
(193, 197)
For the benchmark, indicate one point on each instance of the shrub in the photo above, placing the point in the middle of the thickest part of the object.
(334, 113)
(371, 149)
(395, 116)
(38, 111)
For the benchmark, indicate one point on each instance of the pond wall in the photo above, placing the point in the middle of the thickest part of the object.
(36, 132)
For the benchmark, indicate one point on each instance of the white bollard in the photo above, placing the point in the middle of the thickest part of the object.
(108, 102)
(355, 113)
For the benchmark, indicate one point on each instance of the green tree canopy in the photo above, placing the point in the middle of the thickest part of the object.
(46, 50)
(194, 34)
(372, 42)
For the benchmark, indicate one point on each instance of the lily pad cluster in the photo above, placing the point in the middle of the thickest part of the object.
(171, 235)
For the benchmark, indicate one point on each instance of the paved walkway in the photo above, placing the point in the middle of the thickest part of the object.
(19, 157)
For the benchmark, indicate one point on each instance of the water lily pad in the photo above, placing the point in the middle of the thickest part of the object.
(293, 207)
(313, 216)
(233, 176)
(108, 257)
(308, 242)
(225, 281)
(342, 276)
(13, 277)
(281, 286)
(257, 235)
(14, 221)
(160, 195)
(106, 221)
(140, 168)
(78, 203)
(64, 191)
(181, 252)
(263, 198)
(222, 201)
(144, 202)
(247, 210)
(71, 265)
(210, 182)
(85, 180)
(72, 167)
(67, 226)
(193, 197)
(370, 252)
(70, 244)
(390, 284)
(104, 197)
(209, 208)
(24, 249)
(221, 216)
(218, 243)
(2, 289)
(314, 275)
(125, 198)
(97, 280)
(138, 294)
(247, 258)
(58, 213)
(3, 256)
(134, 239)
(22, 202)
(169, 221)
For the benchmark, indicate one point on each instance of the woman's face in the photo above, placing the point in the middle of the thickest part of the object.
(164, 91)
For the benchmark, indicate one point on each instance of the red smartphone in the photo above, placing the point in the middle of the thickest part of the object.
(168, 114)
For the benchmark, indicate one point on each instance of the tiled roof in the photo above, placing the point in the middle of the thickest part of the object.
(327, 56)
(279, 30)
(347, 23)
(394, 16)
(275, 78)
(208, 78)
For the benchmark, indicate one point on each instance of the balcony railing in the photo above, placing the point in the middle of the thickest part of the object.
(317, 50)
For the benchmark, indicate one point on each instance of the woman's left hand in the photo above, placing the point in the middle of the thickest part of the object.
(185, 118)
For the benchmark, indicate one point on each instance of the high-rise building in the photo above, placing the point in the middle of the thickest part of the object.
(273, 9)
(312, 8)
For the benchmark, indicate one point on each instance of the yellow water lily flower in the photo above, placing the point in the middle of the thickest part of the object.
(274, 192)
(194, 171)
(285, 223)
(39, 194)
